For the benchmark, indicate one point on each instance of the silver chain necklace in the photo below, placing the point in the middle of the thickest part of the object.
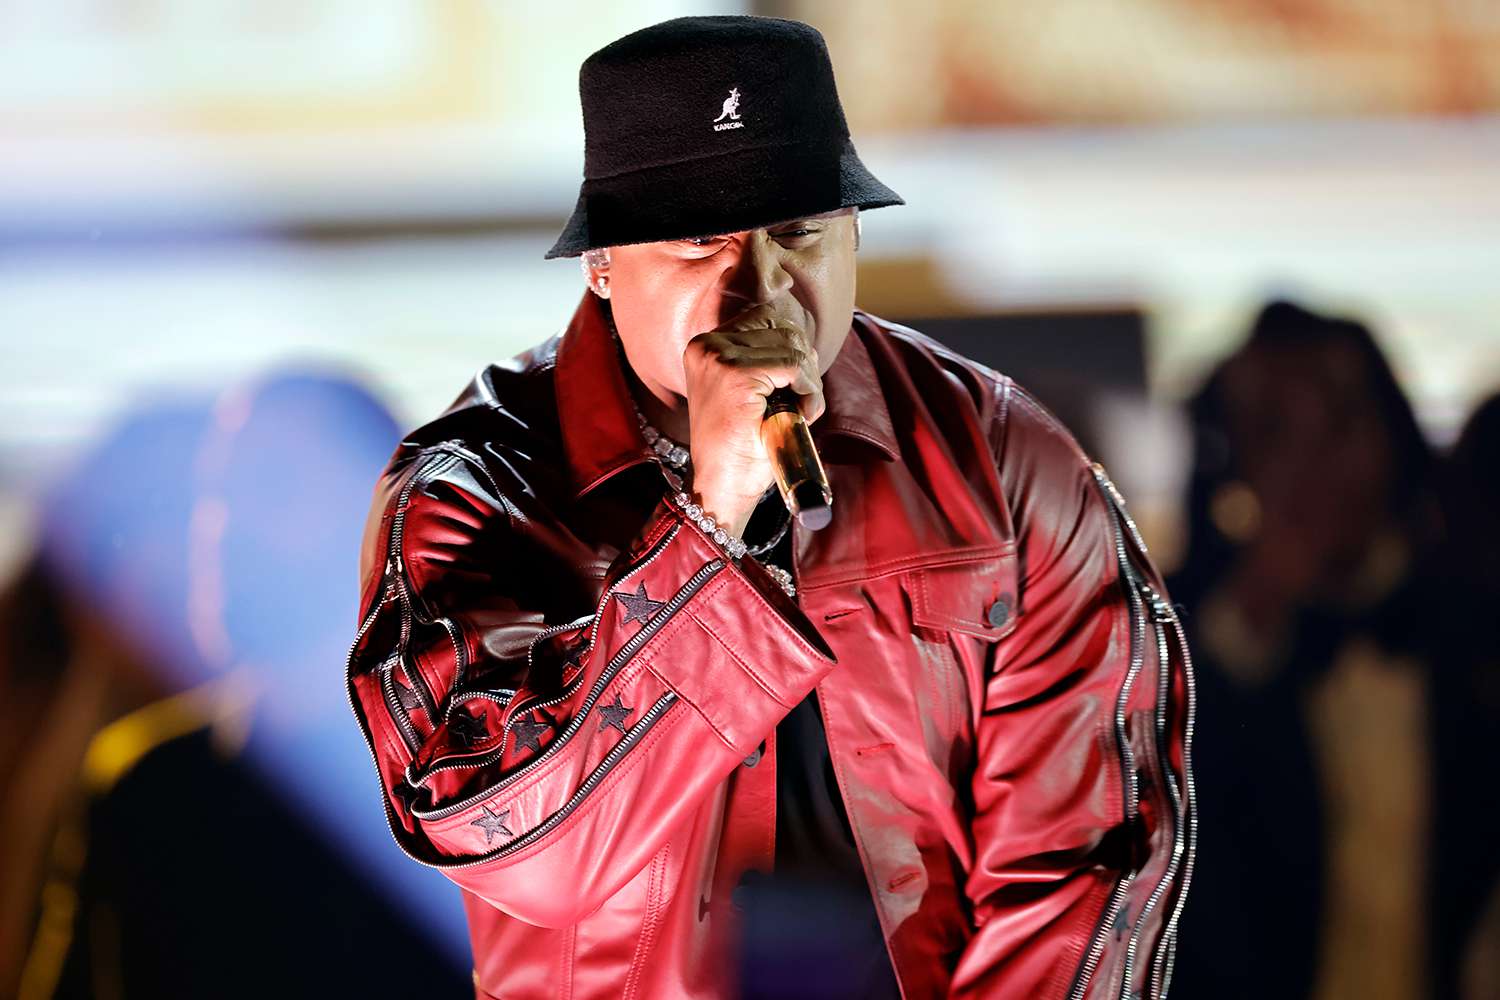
(676, 455)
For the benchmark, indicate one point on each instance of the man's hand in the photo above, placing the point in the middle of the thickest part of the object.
(730, 372)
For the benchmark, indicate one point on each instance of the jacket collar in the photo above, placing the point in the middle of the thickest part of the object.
(597, 415)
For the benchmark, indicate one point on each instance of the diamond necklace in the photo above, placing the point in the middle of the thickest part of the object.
(677, 456)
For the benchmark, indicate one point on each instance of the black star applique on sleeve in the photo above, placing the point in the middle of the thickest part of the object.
(468, 729)
(407, 696)
(638, 607)
(492, 823)
(410, 795)
(528, 732)
(615, 714)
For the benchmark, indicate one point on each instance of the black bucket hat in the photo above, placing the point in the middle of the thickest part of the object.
(705, 125)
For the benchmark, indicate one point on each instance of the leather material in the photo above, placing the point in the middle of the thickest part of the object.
(561, 686)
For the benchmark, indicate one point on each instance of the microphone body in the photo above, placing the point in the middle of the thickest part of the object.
(799, 471)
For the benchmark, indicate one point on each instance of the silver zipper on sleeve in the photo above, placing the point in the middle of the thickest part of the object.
(387, 690)
(514, 709)
(390, 816)
(650, 557)
(1161, 973)
(1184, 835)
(459, 697)
(394, 585)
(460, 667)
(1164, 968)
(1101, 932)
(501, 696)
(622, 656)
(421, 473)
(568, 690)
(630, 739)
(1161, 612)
(1127, 754)
(632, 736)
(387, 673)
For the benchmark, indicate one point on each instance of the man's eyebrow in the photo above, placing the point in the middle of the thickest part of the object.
(809, 218)
(832, 213)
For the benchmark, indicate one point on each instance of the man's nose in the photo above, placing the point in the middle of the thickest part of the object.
(758, 275)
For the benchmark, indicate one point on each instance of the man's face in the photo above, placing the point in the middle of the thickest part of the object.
(664, 294)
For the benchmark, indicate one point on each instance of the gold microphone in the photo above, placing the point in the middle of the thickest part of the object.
(799, 470)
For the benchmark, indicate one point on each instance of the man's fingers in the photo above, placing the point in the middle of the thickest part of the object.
(769, 356)
(784, 336)
(784, 356)
(809, 386)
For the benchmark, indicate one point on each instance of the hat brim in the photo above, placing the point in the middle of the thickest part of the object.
(745, 189)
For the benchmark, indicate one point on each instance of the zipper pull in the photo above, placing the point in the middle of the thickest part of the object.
(1114, 491)
(1161, 609)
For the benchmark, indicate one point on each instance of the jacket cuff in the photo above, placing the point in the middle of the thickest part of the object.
(766, 654)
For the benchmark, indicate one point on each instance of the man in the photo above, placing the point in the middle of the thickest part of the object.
(579, 673)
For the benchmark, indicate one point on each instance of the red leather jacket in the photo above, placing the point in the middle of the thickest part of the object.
(564, 689)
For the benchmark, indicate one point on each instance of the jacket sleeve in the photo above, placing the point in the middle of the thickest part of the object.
(1083, 795)
(538, 763)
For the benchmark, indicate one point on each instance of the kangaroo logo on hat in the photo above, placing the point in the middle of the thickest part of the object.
(731, 111)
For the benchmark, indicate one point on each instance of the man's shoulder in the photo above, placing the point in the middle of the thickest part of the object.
(1051, 485)
(491, 448)
(504, 396)
(916, 346)
(507, 408)
(1008, 410)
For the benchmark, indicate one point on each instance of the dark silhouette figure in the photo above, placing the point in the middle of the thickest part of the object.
(1466, 719)
(1307, 587)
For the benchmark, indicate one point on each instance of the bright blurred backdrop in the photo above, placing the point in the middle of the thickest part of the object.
(195, 189)
(193, 192)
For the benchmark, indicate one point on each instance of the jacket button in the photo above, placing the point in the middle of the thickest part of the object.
(754, 758)
(999, 612)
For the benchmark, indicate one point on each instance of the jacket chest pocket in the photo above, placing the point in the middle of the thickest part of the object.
(972, 593)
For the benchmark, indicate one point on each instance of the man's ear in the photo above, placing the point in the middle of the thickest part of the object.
(595, 264)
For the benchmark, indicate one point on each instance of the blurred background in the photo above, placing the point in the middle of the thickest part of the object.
(1249, 250)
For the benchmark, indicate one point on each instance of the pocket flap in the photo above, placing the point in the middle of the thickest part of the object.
(972, 594)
